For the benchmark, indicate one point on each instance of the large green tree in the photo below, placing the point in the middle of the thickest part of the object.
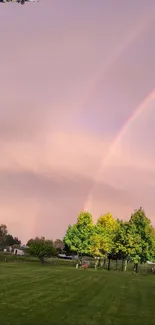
(103, 237)
(143, 235)
(135, 239)
(125, 244)
(102, 241)
(41, 248)
(78, 237)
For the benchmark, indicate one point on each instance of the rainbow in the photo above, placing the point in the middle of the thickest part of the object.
(137, 112)
(100, 74)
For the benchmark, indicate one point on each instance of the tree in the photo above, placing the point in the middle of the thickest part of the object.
(3, 234)
(7, 239)
(101, 243)
(110, 238)
(41, 248)
(11, 241)
(135, 240)
(123, 243)
(105, 230)
(17, 241)
(78, 237)
(143, 234)
(108, 223)
(59, 246)
(30, 241)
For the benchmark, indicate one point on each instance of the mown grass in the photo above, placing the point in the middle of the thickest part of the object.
(51, 294)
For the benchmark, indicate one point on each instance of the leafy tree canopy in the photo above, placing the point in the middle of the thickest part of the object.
(78, 236)
(103, 238)
(143, 236)
(41, 248)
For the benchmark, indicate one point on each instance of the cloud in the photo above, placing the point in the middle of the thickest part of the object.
(45, 180)
(59, 113)
(70, 151)
(48, 178)
(49, 203)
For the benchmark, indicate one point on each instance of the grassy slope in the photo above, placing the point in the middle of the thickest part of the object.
(35, 294)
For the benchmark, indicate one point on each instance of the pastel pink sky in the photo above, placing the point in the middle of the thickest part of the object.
(71, 75)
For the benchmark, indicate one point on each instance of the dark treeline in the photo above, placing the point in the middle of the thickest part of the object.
(7, 239)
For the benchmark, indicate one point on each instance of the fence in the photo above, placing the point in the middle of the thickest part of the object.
(118, 265)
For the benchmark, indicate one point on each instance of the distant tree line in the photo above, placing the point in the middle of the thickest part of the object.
(7, 239)
(107, 239)
(39, 247)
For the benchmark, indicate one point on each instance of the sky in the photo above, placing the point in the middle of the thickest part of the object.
(72, 73)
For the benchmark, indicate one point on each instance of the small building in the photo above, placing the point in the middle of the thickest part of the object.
(18, 252)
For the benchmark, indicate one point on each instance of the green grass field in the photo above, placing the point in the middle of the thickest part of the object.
(52, 294)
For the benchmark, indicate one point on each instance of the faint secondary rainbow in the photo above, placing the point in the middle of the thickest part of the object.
(137, 112)
(101, 73)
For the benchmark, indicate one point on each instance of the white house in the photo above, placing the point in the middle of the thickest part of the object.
(18, 252)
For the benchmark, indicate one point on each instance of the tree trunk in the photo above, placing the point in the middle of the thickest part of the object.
(125, 265)
(136, 267)
(116, 264)
(122, 265)
(80, 259)
(104, 263)
(108, 264)
(42, 260)
(99, 262)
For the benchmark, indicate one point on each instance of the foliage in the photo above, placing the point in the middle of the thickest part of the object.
(41, 248)
(11, 241)
(143, 236)
(122, 238)
(59, 246)
(101, 245)
(3, 234)
(108, 223)
(103, 237)
(132, 240)
(127, 240)
(7, 239)
(78, 237)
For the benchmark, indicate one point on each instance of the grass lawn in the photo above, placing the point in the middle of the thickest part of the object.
(51, 294)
